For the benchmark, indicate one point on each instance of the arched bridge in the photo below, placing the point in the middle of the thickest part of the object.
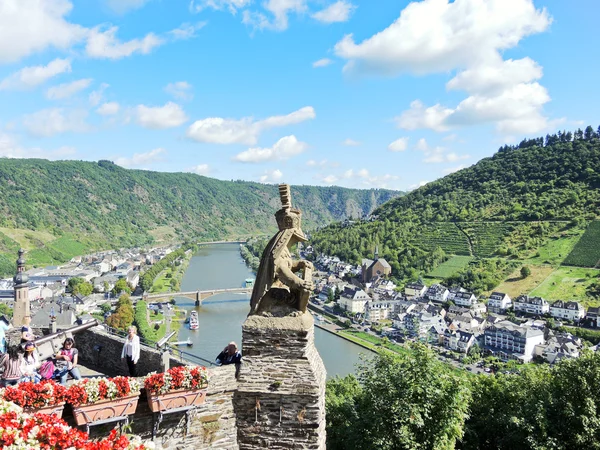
(198, 296)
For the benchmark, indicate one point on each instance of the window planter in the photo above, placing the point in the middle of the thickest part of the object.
(182, 398)
(105, 410)
(53, 409)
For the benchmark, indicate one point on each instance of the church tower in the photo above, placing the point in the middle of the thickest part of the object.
(21, 308)
(376, 255)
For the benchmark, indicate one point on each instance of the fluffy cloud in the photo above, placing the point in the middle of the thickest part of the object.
(53, 121)
(10, 148)
(108, 109)
(271, 176)
(279, 9)
(233, 6)
(159, 117)
(284, 148)
(337, 12)
(200, 169)
(469, 36)
(181, 90)
(399, 145)
(437, 155)
(322, 62)
(364, 178)
(105, 44)
(141, 159)
(29, 77)
(67, 90)
(453, 169)
(350, 143)
(96, 96)
(218, 130)
(122, 6)
(29, 26)
(186, 30)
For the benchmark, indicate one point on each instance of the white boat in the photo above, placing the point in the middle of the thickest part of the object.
(194, 325)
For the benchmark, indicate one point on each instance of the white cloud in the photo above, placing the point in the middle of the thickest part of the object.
(323, 62)
(186, 30)
(108, 109)
(52, 121)
(351, 142)
(29, 77)
(200, 169)
(97, 95)
(218, 130)
(418, 185)
(279, 9)
(10, 148)
(453, 169)
(469, 36)
(180, 90)
(67, 90)
(271, 176)
(364, 178)
(399, 145)
(122, 6)
(421, 145)
(30, 26)
(329, 179)
(105, 44)
(336, 12)
(439, 35)
(313, 163)
(232, 5)
(284, 148)
(159, 117)
(441, 155)
(141, 159)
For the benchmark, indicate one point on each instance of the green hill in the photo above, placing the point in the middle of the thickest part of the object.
(59, 209)
(528, 204)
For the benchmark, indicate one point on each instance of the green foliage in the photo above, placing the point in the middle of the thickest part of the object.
(6, 310)
(121, 286)
(90, 205)
(592, 336)
(482, 275)
(79, 286)
(147, 279)
(105, 307)
(450, 267)
(587, 251)
(144, 329)
(252, 251)
(123, 315)
(409, 401)
(525, 271)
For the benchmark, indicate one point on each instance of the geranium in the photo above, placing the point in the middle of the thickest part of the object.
(30, 395)
(180, 377)
(92, 390)
(19, 430)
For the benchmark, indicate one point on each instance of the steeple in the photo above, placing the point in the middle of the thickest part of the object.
(376, 256)
(21, 287)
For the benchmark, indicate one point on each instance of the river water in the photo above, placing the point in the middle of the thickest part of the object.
(220, 266)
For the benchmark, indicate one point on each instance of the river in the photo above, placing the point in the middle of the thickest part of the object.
(220, 266)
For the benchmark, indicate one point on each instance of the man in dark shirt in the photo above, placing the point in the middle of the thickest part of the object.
(229, 355)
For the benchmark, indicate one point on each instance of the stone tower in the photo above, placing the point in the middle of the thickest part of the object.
(376, 255)
(21, 308)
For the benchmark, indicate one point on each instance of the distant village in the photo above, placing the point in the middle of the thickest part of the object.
(47, 286)
(449, 317)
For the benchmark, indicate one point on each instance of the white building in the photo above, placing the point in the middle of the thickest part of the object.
(459, 341)
(510, 341)
(437, 293)
(415, 289)
(466, 299)
(572, 311)
(531, 305)
(499, 302)
(353, 300)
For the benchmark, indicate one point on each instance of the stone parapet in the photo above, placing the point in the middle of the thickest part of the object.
(280, 401)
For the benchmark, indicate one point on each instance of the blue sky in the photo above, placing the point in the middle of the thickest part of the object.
(353, 93)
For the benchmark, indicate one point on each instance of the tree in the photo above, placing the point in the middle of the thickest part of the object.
(121, 286)
(409, 401)
(525, 271)
(83, 289)
(123, 316)
(105, 307)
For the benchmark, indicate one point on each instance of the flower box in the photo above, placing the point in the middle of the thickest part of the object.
(176, 399)
(52, 409)
(105, 409)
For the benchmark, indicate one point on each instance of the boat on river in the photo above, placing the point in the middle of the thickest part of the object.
(194, 324)
(249, 282)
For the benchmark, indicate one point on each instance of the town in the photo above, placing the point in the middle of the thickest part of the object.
(523, 329)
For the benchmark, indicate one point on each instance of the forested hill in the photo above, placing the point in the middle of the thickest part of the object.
(556, 177)
(104, 205)
(528, 204)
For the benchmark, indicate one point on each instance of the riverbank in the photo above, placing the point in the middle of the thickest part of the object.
(333, 330)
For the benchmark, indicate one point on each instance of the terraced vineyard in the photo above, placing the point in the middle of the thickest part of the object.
(445, 235)
(486, 237)
(586, 252)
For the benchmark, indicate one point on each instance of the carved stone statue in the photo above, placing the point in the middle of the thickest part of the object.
(278, 290)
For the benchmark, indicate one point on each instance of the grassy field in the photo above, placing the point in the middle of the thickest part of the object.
(555, 250)
(163, 234)
(450, 267)
(28, 239)
(514, 285)
(568, 283)
(587, 251)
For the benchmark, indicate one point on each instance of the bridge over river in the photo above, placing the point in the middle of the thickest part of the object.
(198, 296)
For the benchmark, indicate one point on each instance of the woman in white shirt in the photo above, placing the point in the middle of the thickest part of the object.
(131, 350)
(30, 364)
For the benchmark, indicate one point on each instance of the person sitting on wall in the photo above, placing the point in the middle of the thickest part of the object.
(66, 362)
(11, 363)
(30, 364)
(229, 355)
